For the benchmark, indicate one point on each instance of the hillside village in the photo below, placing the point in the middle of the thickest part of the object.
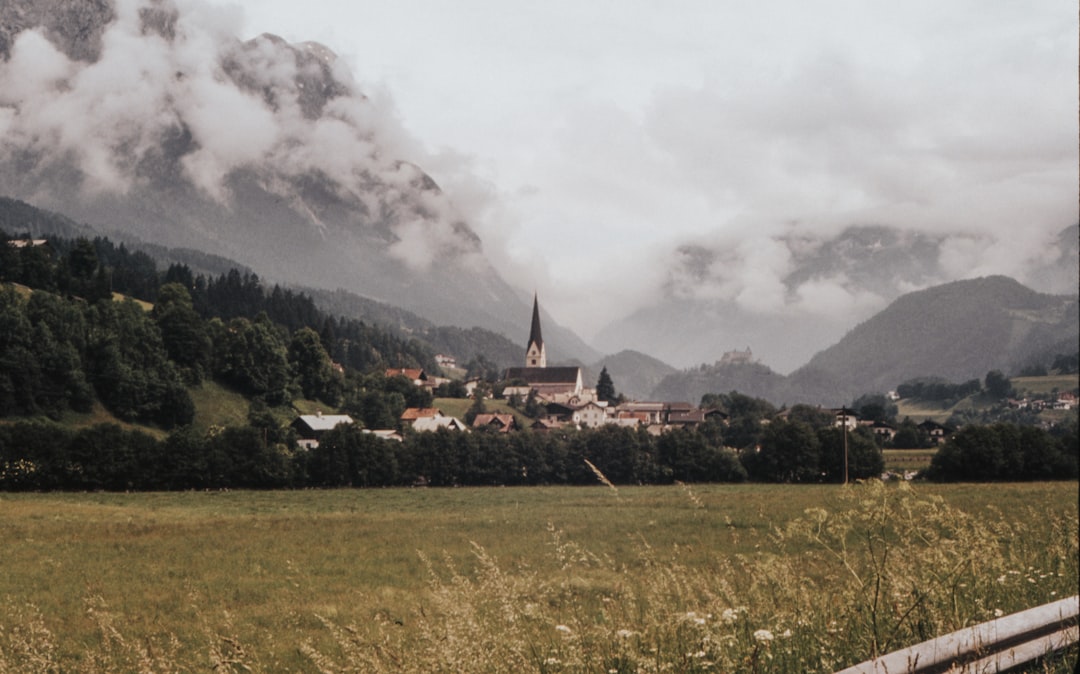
(560, 399)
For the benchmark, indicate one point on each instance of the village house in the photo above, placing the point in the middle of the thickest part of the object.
(29, 243)
(687, 418)
(1066, 400)
(881, 429)
(500, 423)
(592, 414)
(435, 423)
(416, 375)
(470, 386)
(411, 414)
(647, 412)
(845, 417)
(311, 427)
(544, 425)
(446, 361)
(937, 432)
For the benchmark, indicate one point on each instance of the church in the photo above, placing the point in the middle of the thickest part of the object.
(546, 381)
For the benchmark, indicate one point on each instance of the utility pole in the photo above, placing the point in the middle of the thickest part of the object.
(843, 415)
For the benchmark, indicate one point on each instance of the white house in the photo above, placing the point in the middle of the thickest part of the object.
(311, 427)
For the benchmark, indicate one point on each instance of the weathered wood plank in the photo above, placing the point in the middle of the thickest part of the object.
(987, 648)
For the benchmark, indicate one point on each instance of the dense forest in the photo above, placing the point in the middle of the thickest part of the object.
(86, 322)
(68, 343)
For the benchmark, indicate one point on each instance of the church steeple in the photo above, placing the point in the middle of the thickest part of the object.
(535, 354)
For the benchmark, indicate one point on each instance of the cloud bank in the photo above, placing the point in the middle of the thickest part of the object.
(172, 93)
(741, 130)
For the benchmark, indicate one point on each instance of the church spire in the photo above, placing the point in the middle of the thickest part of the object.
(535, 354)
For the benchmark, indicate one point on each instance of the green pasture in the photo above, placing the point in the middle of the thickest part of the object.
(457, 407)
(1043, 385)
(509, 579)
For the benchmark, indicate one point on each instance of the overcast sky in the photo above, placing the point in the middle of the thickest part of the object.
(587, 139)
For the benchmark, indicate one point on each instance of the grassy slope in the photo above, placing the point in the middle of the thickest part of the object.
(920, 410)
(1043, 385)
(261, 568)
(216, 405)
(457, 407)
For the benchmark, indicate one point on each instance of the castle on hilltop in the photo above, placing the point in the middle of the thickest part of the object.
(737, 357)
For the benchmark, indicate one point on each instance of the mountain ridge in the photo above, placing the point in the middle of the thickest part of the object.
(828, 285)
(959, 331)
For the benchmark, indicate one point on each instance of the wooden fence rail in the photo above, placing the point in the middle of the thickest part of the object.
(991, 647)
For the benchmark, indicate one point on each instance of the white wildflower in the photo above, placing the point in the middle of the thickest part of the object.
(998, 613)
(729, 616)
(763, 636)
(563, 628)
(624, 634)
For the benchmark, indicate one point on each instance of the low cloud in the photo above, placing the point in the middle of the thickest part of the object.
(949, 121)
(278, 110)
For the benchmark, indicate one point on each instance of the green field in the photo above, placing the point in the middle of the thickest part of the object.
(901, 460)
(457, 407)
(1043, 385)
(524, 579)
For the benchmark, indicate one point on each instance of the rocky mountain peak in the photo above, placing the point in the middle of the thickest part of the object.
(147, 121)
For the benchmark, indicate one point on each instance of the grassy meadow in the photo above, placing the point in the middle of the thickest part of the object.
(754, 578)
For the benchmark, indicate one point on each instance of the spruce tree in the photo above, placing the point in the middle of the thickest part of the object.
(605, 388)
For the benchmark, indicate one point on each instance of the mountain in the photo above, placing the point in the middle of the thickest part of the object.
(716, 299)
(634, 374)
(752, 379)
(154, 122)
(958, 331)
(19, 218)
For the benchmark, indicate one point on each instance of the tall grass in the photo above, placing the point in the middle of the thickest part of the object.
(883, 569)
(742, 578)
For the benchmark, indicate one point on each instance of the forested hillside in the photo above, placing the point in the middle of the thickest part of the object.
(958, 331)
(66, 343)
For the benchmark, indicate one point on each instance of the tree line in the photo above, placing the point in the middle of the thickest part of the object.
(263, 455)
(36, 455)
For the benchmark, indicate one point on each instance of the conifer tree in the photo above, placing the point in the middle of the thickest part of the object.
(605, 388)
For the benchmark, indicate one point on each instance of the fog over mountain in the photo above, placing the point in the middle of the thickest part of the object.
(151, 119)
(788, 297)
(676, 183)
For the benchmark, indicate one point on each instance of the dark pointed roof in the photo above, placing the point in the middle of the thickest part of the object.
(544, 375)
(534, 332)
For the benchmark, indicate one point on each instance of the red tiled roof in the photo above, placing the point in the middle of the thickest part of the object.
(414, 413)
(502, 421)
(408, 373)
